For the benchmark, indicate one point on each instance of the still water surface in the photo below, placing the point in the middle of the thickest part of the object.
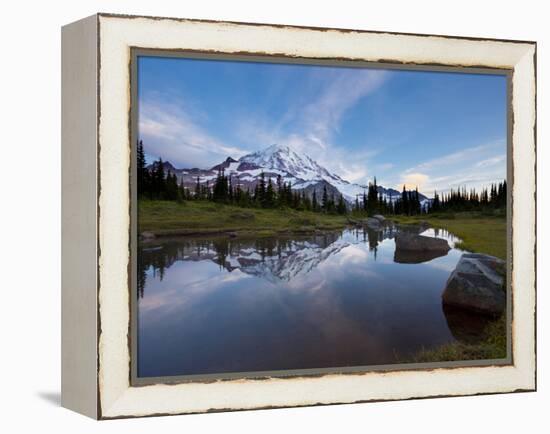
(220, 304)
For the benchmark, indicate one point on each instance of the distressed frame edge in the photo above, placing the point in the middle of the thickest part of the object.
(305, 27)
(79, 141)
(529, 386)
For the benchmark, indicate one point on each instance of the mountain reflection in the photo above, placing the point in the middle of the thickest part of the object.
(272, 258)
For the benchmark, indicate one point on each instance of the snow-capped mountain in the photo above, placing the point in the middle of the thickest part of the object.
(286, 160)
(300, 170)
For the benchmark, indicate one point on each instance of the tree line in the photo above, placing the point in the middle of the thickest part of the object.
(267, 194)
(494, 197)
(374, 202)
(157, 184)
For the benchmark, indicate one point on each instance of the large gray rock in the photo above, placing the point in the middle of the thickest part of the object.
(410, 241)
(379, 217)
(373, 223)
(477, 284)
(411, 248)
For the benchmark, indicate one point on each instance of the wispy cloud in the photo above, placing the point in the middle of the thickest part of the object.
(174, 132)
(491, 161)
(472, 167)
(322, 117)
(466, 154)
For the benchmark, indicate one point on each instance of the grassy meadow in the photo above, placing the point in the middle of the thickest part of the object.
(202, 217)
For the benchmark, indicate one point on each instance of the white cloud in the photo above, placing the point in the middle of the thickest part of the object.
(322, 117)
(454, 158)
(491, 161)
(472, 167)
(174, 133)
(413, 180)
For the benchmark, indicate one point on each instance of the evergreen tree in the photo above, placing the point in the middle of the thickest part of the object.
(198, 188)
(171, 188)
(280, 191)
(417, 206)
(158, 180)
(314, 204)
(296, 200)
(341, 207)
(404, 201)
(435, 203)
(306, 203)
(324, 200)
(269, 200)
(262, 190)
(181, 191)
(142, 172)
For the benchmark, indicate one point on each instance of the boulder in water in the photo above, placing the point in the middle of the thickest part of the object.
(373, 223)
(411, 248)
(477, 284)
(420, 243)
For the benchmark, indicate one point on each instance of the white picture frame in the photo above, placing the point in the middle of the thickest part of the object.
(96, 308)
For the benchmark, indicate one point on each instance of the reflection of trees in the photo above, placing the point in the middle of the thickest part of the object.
(375, 237)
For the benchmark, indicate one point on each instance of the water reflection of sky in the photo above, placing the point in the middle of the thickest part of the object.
(319, 303)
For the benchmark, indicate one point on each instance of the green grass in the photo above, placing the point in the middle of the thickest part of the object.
(492, 346)
(197, 217)
(480, 233)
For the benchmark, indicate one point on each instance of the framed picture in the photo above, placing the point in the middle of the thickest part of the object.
(261, 216)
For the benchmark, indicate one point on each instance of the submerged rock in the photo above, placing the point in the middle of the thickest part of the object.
(419, 243)
(416, 256)
(477, 284)
(411, 248)
(373, 223)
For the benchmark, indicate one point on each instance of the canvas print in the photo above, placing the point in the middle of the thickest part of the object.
(303, 218)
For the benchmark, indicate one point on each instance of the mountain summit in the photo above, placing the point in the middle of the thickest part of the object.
(283, 158)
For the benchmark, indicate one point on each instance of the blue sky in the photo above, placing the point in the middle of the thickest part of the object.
(432, 129)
